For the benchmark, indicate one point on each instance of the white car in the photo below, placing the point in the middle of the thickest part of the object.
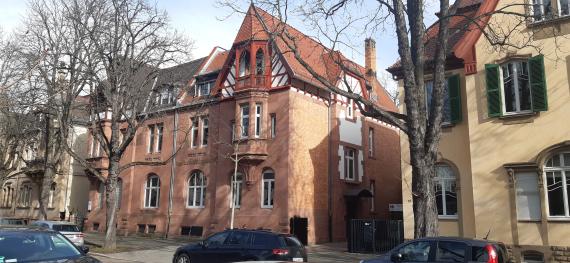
(69, 230)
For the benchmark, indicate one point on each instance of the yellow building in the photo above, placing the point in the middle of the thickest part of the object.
(504, 168)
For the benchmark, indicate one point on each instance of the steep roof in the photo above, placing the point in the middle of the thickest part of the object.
(323, 60)
(459, 27)
(180, 74)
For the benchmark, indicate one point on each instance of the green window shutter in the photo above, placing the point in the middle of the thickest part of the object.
(453, 84)
(494, 103)
(538, 83)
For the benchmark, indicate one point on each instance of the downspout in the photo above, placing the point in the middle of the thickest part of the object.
(330, 181)
(172, 172)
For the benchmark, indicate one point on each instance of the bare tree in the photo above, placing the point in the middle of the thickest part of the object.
(131, 41)
(333, 19)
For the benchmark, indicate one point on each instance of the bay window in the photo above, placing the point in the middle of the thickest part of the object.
(257, 120)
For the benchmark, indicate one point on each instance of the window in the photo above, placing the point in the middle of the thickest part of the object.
(244, 120)
(238, 238)
(196, 189)
(204, 131)
(445, 192)
(25, 195)
(204, 88)
(159, 130)
(349, 109)
(516, 87)
(236, 190)
(268, 189)
(194, 134)
(564, 7)
(259, 62)
(100, 193)
(370, 142)
(244, 63)
(349, 164)
(233, 126)
(273, 125)
(450, 252)
(451, 111)
(415, 252)
(257, 120)
(166, 96)
(155, 137)
(528, 199)
(51, 195)
(373, 191)
(7, 195)
(557, 173)
(266, 240)
(541, 10)
(217, 239)
(151, 136)
(152, 192)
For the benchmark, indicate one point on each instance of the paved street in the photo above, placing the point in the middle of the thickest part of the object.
(159, 250)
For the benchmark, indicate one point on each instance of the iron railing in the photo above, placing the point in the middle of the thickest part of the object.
(374, 236)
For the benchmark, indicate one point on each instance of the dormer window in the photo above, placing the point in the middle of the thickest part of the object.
(259, 62)
(244, 63)
(204, 88)
(165, 96)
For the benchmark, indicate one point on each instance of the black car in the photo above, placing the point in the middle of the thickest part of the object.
(445, 249)
(33, 244)
(243, 245)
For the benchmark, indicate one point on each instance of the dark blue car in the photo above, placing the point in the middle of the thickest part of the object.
(243, 245)
(445, 249)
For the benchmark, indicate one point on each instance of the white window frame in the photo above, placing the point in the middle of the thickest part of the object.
(238, 184)
(443, 182)
(196, 181)
(349, 109)
(348, 159)
(244, 118)
(148, 190)
(233, 131)
(542, 10)
(516, 88)
(205, 131)
(370, 142)
(560, 9)
(565, 172)
(270, 184)
(194, 132)
(159, 134)
(258, 111)
(151, 136)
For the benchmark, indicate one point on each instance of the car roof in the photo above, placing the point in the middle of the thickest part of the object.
(471, 241)
(264, 231)
(20, 228)
(54, 222)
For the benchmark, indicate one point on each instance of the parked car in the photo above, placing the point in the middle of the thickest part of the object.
(33, 244)
(12, 221)
(69, 230)
(445, 249)
(243, 245)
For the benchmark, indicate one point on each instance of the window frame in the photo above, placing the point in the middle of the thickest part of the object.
(535, 192)
(371, 142)
(159, 136)
(205, 131)
(349, 109)
(148, 187)
(194, 132)
(565, 174)
(271, 190)
(239, 184)
(543, 15)
(348, 159)
(258, 119)
(273, 125)
(516, 84)
(442, 183)
(200, 87)
(244, 119)
(559, 4)
(151, 135)
(200, 183)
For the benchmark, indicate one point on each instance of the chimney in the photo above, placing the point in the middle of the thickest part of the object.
(370, 58)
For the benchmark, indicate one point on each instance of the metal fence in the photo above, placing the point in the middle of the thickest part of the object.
(374, 236)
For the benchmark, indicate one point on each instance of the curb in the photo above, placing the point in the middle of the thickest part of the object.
(115, 258)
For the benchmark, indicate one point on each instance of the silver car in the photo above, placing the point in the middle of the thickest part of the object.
(69, 230)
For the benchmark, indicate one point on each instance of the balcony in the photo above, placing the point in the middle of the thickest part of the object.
(253, 150)
(252, 82)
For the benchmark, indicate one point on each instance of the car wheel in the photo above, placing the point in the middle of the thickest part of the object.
(182, 258)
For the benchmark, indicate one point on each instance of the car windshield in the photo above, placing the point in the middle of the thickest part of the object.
(32, 246)
(65, 228)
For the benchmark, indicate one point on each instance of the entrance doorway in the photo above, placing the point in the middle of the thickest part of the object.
(299, 227)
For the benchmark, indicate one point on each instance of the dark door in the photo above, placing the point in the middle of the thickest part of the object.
(351, 210)
(299, 228)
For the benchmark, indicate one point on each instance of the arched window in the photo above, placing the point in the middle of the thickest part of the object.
(445, 190)
(244, 64)
(7, 195)
(557, 178)
(259, 62)
(268, 189)
(236, 186)
(51, 194)
(152, 192)
(25, 195)
(196, 189)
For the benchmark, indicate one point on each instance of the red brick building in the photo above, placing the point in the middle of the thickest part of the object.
(307, 156)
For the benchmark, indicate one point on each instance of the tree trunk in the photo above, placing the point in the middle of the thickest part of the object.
(48, 178)
(111, 202)
(423, 193)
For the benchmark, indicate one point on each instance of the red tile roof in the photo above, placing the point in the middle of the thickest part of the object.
(217, 63)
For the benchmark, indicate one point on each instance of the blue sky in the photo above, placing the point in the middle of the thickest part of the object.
(201, 21)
